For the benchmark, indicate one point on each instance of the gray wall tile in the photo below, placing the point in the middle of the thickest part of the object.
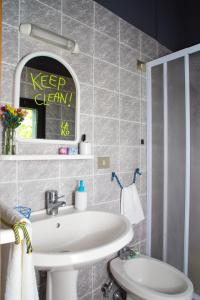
(105, 190)
(32, 11)
(106, 103)
(106, 75)
(144, 133)
(129, 109)
(106, 48)
(143, 199)
(129, 35)
(129, 133)
(86, 99)
(106, 131)
(143, 89)
(143, 186)
(100, 273)
(55, 4)
(129, 83)
(129, 158)
(79, 32)
(128, 58)
(82, 10)
(162, 50)
(106, 21)
(8, 171)
(76, 168)
(36, 148)
(86, 127)
(85, 281)
(111, 206)
(34, 170)
(8, 193)
(143, 158)
(143, 111)
(97, 294)
(148, 46)
(10, 9)
(86, 297)
(143, 247)
(9, 44)
(139, 231)
(32, 193)
(7, 83)
(82, 65)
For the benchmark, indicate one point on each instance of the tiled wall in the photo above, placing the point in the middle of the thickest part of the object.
(113, 110)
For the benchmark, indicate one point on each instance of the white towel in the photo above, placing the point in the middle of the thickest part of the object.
(130, 204)
(20, 277)
(11, 216)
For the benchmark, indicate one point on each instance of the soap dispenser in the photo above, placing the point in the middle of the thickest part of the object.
(81, 197)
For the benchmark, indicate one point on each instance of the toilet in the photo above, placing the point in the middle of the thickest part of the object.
(147, 278)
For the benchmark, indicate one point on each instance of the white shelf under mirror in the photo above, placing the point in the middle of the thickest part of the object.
(45, 157)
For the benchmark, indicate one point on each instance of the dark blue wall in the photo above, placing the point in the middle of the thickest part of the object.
(162, 19)
(192, 17)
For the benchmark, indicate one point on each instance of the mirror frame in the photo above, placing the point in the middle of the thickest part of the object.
(17, 81)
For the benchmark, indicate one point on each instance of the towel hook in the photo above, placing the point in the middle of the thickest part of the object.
(114, 176)
(137, 172)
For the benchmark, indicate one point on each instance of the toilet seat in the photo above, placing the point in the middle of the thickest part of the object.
(151, 279)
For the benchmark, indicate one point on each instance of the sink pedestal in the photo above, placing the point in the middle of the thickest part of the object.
(62, 285)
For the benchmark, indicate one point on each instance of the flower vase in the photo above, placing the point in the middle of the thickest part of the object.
(9, 147)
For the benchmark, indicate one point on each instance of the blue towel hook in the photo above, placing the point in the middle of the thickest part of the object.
(114, 176)
(137, 172)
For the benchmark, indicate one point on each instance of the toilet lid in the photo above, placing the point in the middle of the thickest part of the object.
(151, 279)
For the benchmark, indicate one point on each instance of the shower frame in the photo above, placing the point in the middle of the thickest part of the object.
(163, 61)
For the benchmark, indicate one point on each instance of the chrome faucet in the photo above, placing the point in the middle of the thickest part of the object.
(52, 203)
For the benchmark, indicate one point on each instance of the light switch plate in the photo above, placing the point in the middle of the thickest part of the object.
(103, 162)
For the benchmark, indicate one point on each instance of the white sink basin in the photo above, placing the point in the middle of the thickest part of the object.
(63, 243)
(74, 238)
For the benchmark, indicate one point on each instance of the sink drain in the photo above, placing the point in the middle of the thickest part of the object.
(57, 225)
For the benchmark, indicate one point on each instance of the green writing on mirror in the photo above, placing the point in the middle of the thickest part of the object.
(64, 128)
(45, 83)
(57, 97)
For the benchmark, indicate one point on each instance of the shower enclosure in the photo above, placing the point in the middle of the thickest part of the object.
(173, 92)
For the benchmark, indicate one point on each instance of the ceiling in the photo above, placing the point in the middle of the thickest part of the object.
(174, 23)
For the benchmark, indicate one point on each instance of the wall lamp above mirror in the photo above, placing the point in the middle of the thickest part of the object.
(48, 88)
(49, 37)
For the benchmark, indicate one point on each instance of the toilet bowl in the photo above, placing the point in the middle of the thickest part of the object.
(147, 278)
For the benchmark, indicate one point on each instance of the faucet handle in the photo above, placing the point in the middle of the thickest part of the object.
(128, 252)
(58, 197)
(51, 196)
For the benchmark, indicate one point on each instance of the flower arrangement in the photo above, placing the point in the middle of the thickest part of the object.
(11, 117)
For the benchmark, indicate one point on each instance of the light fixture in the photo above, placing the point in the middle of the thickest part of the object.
(49, 37)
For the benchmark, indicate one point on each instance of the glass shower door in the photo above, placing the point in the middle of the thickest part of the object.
(174, 213)
(194, 236)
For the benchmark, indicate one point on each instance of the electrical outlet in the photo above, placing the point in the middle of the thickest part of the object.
(103, 162)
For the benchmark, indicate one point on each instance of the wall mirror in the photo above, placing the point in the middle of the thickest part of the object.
(48, 88)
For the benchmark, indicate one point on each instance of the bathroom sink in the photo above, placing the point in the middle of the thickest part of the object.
(62, 244)
(74, 238)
